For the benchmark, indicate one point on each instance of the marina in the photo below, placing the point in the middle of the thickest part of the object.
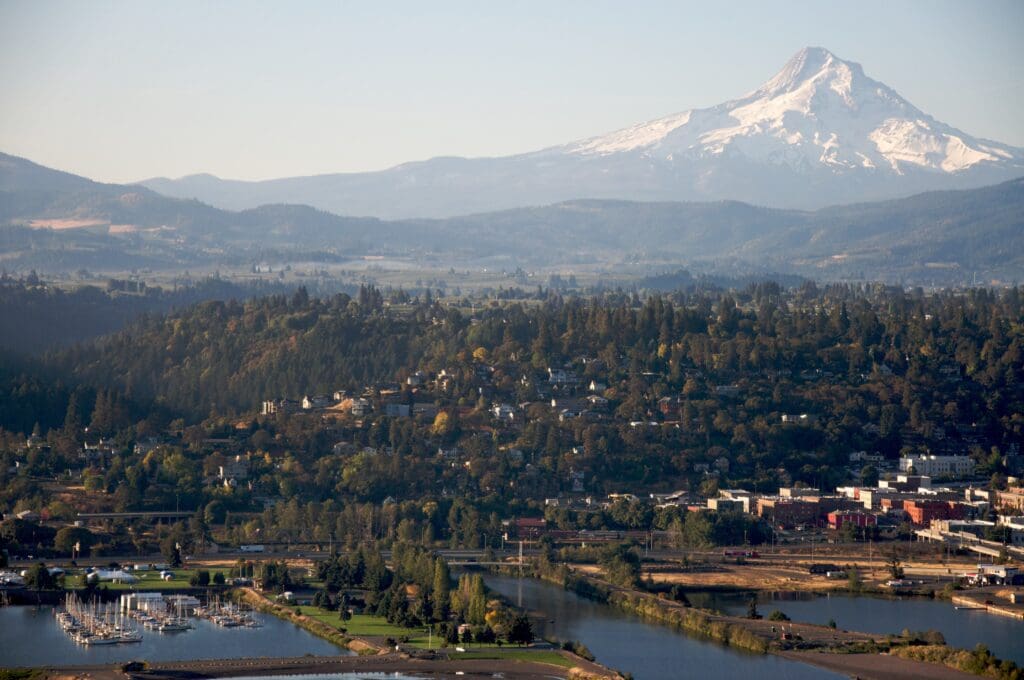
(33, 636)
(95, 623)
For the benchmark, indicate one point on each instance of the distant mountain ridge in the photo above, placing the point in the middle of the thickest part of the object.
(955, 234)
(819, 133)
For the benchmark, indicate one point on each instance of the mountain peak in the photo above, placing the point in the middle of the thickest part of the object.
(809, 64)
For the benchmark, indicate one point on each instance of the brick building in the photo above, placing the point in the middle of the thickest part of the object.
(838, 518)
(788, 512)
(922, 512)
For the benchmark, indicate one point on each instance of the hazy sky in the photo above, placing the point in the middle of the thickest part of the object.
(122, 91)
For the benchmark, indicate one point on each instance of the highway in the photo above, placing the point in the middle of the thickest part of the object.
(465, 557)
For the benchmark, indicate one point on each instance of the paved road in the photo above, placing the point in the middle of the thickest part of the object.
(305, 665)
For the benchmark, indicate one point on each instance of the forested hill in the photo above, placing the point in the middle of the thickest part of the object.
(682, 383)
(229, 356)
(36, 316)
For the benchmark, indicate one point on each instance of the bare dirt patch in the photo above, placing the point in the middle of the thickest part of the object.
(66, 223)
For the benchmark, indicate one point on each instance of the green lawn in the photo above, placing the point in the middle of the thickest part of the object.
(150, 580)
(516, 654)
(366, 625)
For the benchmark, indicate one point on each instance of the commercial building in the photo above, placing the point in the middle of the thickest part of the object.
(838, 518)
(1011, 500)
(788, 512)
(922, 512)
(938, 466)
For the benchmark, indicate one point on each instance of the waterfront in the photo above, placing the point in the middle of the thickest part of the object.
(30, 636)
(961, 627)
(628, 644)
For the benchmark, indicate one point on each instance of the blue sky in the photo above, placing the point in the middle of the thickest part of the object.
(122, 91)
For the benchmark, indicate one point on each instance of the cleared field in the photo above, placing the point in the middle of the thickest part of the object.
(59, 224)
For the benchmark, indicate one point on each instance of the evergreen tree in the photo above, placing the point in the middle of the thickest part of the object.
(441, 590)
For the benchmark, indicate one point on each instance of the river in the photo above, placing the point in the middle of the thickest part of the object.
(647, 651)
(30, 636)
(1004, 636)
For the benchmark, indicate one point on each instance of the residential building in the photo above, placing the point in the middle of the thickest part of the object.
(865, 458)
(727, 390)
(275, 406)
(397, 410)
(235, 468)
(319, 401)
(504, 412)
(562, 376)
(361, 407)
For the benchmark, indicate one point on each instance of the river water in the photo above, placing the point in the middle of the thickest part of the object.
(961, 628)
(30, 636)
(647, 651)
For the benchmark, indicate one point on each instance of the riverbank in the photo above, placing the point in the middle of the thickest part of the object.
(877, 666)
(855, 653)
(318, 628)
(771, 575)
(755, 635)
(993, 600)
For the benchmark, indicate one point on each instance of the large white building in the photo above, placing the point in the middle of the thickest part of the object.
(938, 466)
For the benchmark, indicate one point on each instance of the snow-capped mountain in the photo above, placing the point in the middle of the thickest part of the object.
(819, 132)
(817, 112)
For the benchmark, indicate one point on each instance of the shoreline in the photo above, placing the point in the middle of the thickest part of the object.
(876, 666)
(857, 654)
(357, 645)
(970, 602)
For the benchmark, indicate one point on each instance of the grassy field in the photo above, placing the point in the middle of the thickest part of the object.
(368, 626)
(22, 673)
(553, 658)
(365, 625)
(150, 580)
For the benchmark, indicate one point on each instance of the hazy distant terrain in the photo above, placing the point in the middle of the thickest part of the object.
(945, 236)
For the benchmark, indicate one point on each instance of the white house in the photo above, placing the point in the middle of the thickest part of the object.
(504, 412)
